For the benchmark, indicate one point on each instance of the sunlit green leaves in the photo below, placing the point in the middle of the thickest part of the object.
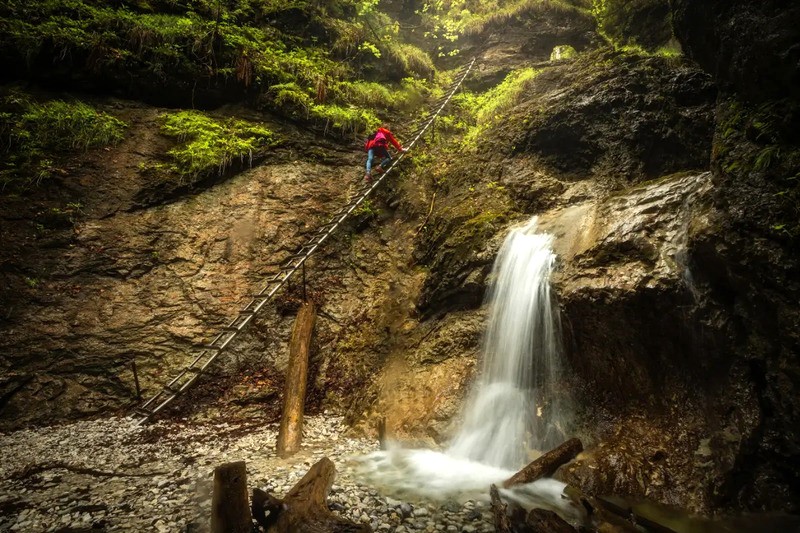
(207, 145)
(31, 132)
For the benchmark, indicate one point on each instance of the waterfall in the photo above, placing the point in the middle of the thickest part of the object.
(508, 411)
(515, 405)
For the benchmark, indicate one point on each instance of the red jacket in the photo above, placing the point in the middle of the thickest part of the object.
(381, 137)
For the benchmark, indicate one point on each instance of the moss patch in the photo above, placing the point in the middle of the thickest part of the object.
(208, 146)
(756, 147)
(34, 134)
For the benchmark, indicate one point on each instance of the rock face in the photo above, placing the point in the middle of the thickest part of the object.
(748, 47)
(124, 281)
(648, 118)
(674, 209)
(748, 261)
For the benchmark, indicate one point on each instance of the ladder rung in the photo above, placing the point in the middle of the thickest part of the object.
(289, 266)
(294, 257)
(199, 347)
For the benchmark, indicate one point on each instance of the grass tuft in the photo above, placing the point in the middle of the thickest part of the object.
(207, 146)
(33, 133)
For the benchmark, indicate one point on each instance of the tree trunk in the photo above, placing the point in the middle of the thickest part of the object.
(290, 434)
(502, 524)
(547, 464)
(305, 507)
(230, 512)
(544, 521)
(266, 508)
(382, 433)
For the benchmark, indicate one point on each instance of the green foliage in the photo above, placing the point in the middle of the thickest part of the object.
(491, 106)
(765, 157)
(644, 23)
(31, 133)
(61, 126)
(497, 14)
(412, 59)
(345, 119)
(291, 97)
(364, 93)
(447, 20)
(563, 51)
(208, 146)
(366, 210)
(758, 142)
(224, 46)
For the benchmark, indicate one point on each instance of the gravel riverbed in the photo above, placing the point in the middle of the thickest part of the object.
(109, 474)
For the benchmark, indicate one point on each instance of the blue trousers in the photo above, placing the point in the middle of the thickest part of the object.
(381, 152)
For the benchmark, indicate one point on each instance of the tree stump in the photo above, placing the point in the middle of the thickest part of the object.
(230, 512)
(305, 507)
(544, 521)
(290, 433)
(547, 464)
(502, 524)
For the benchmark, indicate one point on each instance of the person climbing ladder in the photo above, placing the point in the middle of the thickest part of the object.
(377, 144)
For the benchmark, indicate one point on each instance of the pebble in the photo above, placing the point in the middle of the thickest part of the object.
(174, 462)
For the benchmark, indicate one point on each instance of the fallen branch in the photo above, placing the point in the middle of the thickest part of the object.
(424, 222)
(31, 470)
(547, 464)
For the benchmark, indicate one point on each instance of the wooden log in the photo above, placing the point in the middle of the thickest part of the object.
(382, 433)
(499, 509)
(306, 505)
(547, 464)
(544, 521)
(230, 512)
(290, 433)
(603, 518)
(266, 508)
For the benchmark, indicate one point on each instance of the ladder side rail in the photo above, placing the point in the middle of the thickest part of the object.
(249, 311)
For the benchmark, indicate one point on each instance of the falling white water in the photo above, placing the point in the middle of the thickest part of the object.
(508, 412)
(513, 409)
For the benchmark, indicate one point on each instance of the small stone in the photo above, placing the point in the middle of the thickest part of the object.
(474, 515)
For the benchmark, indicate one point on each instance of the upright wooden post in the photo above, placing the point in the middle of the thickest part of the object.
(290, 433)
(230, 509)
(136, 380)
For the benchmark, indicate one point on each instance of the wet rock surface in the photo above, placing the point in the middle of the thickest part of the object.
(619, 116)
(749, 48)
(679, 295)
(119, 281)
(122, 477)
